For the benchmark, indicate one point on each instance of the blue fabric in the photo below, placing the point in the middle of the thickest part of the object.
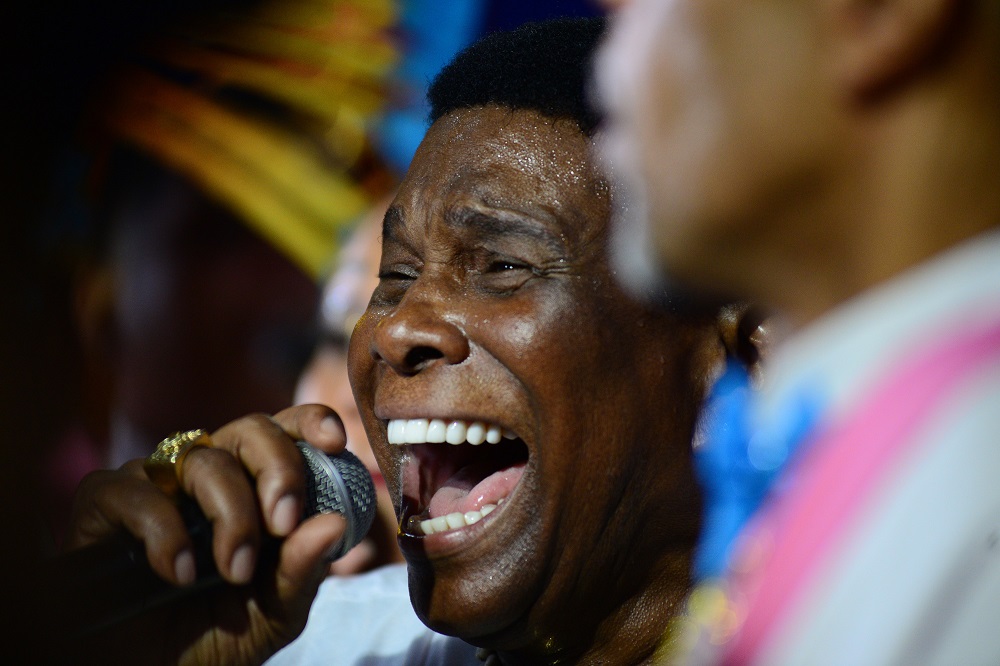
(508, 14)
(740, 459)
(433, 32)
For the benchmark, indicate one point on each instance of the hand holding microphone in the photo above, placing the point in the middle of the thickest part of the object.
(242, 545)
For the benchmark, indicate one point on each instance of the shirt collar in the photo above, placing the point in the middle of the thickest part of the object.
(841, 353)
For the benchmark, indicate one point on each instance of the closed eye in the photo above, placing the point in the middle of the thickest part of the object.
(506, 265)
(502, 275)
(394, 275)
(392, 284)
(397, 273)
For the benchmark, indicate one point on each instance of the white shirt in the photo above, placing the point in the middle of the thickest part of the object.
(367, 620)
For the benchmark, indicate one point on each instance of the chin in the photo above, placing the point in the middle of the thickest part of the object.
(488, 611)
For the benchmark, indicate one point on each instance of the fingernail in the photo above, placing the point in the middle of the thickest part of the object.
(241, 566)
(184, 567)
(285, 515)
(329, 425)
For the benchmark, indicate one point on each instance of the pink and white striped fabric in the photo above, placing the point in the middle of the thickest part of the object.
(853, 510)
(882, 544)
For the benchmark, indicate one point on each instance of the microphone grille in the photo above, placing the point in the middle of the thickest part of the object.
(339, 483)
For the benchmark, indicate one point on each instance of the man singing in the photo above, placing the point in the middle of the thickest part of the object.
(533, 424)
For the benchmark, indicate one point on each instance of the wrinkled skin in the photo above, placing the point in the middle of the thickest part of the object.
(496, 302)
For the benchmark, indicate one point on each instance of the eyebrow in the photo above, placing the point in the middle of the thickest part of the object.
(505, 223)
(495, 224)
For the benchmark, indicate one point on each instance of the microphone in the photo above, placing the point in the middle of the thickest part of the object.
(339, 484)
(102, 585)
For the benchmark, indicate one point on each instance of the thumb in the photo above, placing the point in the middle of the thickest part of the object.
(302, 564)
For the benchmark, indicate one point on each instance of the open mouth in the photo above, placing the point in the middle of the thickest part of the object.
(458, 473)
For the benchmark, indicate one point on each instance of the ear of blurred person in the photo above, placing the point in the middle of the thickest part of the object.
(344, 300)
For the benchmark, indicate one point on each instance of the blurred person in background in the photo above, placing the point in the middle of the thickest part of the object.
(325, 380)
(228, 154)
(837, 162)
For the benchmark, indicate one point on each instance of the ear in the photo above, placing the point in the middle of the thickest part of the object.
(877, 43)
(745, 335)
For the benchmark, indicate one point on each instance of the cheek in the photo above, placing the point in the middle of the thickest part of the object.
(557, 347)
(359, 359)
(534, 351)
(361, 369)
(520, 333)
(531, 331)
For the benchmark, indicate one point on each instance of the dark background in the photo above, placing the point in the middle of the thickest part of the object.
(53, 54)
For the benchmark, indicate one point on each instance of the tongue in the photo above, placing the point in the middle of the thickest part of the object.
(467, 490)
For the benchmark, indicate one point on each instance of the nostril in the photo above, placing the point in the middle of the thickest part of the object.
(415, 337)
(418, 357)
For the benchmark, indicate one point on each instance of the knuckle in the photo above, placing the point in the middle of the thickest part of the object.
(159, 527)
(265, 422)
(202, 460)
(113, 493)
(93, 482)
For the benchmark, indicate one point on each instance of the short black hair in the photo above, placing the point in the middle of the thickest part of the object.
(543, 66)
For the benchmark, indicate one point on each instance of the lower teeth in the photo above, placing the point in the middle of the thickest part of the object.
(452, 521)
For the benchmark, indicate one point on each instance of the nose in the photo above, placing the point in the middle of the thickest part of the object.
(416, 336)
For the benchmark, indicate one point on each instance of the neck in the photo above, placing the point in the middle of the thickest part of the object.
(920, 179)
(633, 633)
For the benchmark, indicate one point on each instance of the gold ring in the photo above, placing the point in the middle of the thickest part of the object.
(164, 467)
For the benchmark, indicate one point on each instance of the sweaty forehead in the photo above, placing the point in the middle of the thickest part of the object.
(519, 160)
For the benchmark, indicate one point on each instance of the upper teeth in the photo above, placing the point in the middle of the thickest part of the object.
(423, 431)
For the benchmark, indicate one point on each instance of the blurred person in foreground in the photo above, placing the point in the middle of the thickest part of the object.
(837, 161)
(325, 379)
(533, 424)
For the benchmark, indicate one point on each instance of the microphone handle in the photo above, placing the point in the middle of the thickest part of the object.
(108, 583)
